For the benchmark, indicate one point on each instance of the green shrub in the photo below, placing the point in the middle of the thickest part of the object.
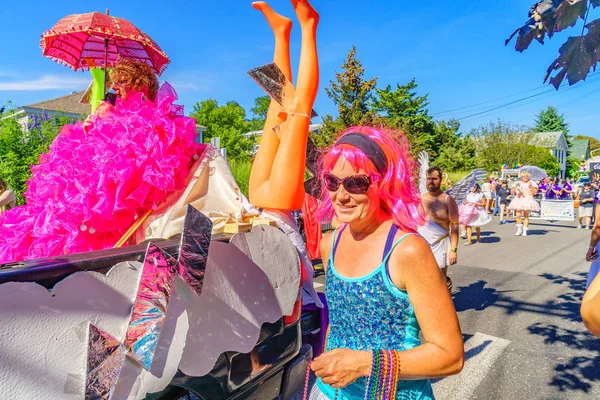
(241, 171)
(20, 148)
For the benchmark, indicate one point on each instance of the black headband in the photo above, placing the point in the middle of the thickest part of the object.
(368, 146)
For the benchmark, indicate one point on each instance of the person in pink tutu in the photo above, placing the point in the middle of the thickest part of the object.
(101, 175)
(523, 202)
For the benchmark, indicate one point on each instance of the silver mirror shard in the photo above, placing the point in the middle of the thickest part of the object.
(106, 356)
(193, 250)
(272, 80)
(150, 306)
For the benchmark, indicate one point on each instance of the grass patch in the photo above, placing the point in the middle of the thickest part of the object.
(241, 171)
(457, 175)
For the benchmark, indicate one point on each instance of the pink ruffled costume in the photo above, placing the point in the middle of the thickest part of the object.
(525, 202)
(99, 177)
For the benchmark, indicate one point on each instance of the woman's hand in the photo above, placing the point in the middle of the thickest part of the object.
(340, 367)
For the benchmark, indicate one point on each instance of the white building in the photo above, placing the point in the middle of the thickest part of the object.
(557, 144)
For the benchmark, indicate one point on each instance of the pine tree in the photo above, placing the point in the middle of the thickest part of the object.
(352, 95)
(549, 120)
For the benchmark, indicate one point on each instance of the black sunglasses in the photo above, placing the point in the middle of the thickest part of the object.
(355, 184)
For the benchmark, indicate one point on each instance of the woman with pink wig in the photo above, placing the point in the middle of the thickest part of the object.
(383, 284)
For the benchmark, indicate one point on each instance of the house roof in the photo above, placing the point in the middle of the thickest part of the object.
(580, 148)
(551, 139)
(68, 104)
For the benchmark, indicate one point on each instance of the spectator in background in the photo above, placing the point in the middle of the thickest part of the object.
(554, 190)
(567, 190)
(497, 185)
(8, 199)
(586, 206)
(503, 197)
(486, 189)
(542, 188)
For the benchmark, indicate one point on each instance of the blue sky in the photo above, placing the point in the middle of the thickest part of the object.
(454, 48)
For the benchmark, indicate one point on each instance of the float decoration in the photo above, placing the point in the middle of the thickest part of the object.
(193, 253)
(106, 355)
(126, 333)
(272, 80)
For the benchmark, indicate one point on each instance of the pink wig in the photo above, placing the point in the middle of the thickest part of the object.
(398, 192)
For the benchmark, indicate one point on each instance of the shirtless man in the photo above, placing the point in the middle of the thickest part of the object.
(441, 228)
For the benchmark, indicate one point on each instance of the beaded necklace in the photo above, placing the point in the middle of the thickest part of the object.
(382, 382)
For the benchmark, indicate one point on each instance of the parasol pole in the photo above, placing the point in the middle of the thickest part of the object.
(105, 62)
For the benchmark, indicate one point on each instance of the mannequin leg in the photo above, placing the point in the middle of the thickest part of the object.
(284, 188)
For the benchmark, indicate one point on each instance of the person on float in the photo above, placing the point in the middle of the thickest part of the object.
(8, 199)
(99, 176)
(477, 200)
(383, 283)
(523, 202)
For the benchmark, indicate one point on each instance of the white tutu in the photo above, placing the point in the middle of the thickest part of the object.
(481, 219)
(524, 203)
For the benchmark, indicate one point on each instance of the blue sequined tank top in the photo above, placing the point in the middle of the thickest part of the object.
(369, 313)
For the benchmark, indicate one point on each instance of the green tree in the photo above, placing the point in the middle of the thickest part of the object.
(498, 143)
(572, 166)
(459, 156)
(578, 54)
(541, 157)
(352, 95)
(402, 109)
(259, 112)
(549, 120)
(20, 148)
(227, 122)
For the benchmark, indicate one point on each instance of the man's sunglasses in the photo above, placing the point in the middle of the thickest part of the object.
(355, 184)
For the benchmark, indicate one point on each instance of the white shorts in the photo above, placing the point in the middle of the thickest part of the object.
(585, 211)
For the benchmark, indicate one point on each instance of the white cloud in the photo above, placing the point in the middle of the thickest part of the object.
(195, 81)
(46, 82)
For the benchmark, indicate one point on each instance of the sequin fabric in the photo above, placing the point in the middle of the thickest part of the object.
(369, 313)
(364, 315)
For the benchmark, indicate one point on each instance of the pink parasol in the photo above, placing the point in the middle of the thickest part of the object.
(93, 40)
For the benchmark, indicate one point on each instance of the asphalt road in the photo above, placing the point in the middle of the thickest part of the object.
(518, 304)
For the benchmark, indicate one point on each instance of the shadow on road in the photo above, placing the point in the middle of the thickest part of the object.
(476, 297)
(539, 232)
(491, 239)
(579, 372)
